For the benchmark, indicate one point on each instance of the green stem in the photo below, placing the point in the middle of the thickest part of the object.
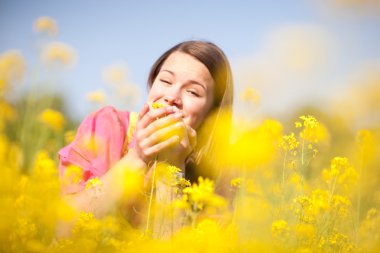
(283, 169)
(303, 146)
(151, 196)
(358, 206)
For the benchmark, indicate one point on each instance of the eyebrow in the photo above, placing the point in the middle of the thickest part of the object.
(190, 81)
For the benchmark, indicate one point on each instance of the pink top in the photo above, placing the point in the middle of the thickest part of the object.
(102, 140)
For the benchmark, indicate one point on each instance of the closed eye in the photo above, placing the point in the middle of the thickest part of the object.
(194, 93)
(165, 81)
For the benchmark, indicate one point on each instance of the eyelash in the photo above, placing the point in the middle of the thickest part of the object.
(165, 81)
(194, 93)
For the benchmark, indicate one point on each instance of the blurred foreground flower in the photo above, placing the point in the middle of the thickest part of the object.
(46, 25)
(256, 146)
(52, 119)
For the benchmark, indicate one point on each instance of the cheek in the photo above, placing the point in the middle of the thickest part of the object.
(153, 94)
(196, 114)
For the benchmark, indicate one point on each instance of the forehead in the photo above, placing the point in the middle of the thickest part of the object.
(185, 65)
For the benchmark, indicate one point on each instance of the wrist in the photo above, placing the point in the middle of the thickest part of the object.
(179, 163)
(134, 161)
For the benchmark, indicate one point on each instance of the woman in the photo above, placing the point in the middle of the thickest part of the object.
(192, 81)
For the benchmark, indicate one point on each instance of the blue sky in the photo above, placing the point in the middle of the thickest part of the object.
(137, 32)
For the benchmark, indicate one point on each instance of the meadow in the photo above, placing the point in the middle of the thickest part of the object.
(308, 183)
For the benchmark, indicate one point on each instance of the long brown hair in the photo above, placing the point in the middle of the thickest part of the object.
(202, 163)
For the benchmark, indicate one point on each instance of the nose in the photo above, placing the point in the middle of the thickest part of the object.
(173, 100)
(173, 97)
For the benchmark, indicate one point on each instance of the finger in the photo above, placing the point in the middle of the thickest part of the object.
(163, 122)
(143, 111)
(154, 114)
(192, 135)
(154, 150)
(164, 133)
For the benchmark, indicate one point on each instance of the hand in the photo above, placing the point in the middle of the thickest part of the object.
(156, 131)
(177, 153)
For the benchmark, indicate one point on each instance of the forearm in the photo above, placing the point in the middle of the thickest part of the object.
(122, 183)
(114, 186)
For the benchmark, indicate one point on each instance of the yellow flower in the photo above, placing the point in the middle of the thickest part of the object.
(305, 231)
(340, 204)
(257, 146)
(12, 69)
(200, 196)
(250, 95)
(115, 74)
(341, 173)
(289, 142)
(72, 175)
(339, 241)
(44, 166)
(97, 96)
(170, 174)
(7, 113)
(157, 105)
(236, 182)
(320, 201)
(59, 54)
(46, 25)
(279, 228)
(86, 223)
(94, 183)
(53, 119)
(295, 179)
(183, 183)
(69, 136)
(312, 130)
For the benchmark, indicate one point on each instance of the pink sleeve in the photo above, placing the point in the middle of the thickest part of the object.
(97, 146)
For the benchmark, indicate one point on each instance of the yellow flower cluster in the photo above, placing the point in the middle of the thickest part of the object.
(340, 174)
(52, 119)
(201, 196)
(250, 95)
(46, 25)
(94, 183)
(270, 192)
(97, 96)
(169, 174)
(12, 70)
(279, 228)
(58, 54)
(312, 130)
(289, 142)
(157, 105)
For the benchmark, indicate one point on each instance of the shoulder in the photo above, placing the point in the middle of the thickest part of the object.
(107, 118)
(108, 114)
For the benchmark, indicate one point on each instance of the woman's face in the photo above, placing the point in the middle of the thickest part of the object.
(184, 82)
